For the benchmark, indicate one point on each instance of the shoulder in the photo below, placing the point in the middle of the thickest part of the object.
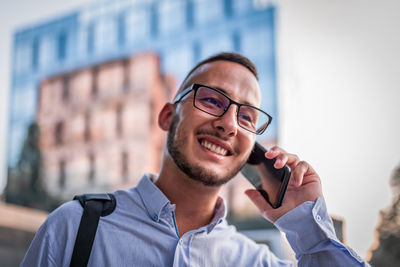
(128, 200)
(53, 243)
(67, 213)
(62, 224)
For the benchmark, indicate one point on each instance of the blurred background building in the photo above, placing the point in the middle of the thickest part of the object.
(87, 87)
(98, 126)
(180, 32)
(61, 65)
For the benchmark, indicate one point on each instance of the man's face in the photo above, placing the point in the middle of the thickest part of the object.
(211, 149)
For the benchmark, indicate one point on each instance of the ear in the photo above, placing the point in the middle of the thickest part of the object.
(165, 116)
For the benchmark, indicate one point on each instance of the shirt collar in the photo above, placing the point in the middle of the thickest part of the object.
(219, 215)
(154, 200)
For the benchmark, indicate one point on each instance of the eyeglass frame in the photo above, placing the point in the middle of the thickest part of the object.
(195, 86)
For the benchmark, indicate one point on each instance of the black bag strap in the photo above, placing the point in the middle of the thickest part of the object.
(94, 206)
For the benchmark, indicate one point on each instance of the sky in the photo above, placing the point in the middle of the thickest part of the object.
(342, 54)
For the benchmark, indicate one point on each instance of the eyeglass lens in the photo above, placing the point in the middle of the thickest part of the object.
(215, 103)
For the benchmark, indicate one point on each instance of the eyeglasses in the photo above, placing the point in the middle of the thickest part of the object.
(216, 103)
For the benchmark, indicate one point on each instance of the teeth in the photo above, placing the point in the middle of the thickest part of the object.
(214, 148)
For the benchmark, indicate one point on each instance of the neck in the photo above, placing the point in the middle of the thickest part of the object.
(195, 202)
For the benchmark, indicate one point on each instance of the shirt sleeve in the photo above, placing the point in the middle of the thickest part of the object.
(310, 232)
(54, 241)
(39, 252)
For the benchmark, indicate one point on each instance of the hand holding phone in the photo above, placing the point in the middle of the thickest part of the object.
(269, 181)
(304, 184)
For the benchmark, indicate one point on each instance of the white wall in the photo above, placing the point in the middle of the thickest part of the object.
(339, 93)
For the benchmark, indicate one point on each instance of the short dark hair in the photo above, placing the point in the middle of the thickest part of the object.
(224, 56)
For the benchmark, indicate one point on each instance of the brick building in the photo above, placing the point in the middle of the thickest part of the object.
(99, 125)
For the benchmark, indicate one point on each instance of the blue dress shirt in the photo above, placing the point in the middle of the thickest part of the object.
(142, 232)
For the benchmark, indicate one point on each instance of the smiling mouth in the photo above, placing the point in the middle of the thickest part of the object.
(214, 148)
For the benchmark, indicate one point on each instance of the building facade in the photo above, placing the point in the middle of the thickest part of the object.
(98, 125)
(180, 32)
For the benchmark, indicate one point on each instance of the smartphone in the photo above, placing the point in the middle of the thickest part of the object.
(261, 173)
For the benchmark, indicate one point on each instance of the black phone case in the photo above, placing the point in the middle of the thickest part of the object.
(257, 156)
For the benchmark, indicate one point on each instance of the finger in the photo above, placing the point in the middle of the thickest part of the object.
(283, 158)
(274, 151)
(298, 173)
(258, 200)
(286, 159)
(280, 161)
(293, 160)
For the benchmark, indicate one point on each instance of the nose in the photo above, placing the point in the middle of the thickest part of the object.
(227, 124)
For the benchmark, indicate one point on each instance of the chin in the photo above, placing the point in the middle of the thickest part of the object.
(209, 173)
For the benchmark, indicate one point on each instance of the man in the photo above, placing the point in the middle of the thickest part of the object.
(177, 218)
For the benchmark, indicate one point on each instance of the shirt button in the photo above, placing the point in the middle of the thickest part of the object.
(155, 217)
(181, 241)
(318, 218)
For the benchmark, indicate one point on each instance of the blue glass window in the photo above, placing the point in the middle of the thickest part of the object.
(172, 15)
(23, 53)
(208, 11)
(62, 46)
(22, 110)
(35, 53)
(241, 6)
(178, 61)
(216, 44)
(137, 25)
(121, 29)
(106, 34)
(90, 38)
(23, 102)
(47, 51)
(258, 43)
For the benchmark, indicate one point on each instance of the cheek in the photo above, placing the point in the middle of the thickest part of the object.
(183, 128)
(180, 131)
(246, 145)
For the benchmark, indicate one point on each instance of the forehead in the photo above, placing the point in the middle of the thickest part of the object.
(232, 78)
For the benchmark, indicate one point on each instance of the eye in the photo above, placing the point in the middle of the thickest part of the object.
(211, 102)
(246, 122)
(245, 117)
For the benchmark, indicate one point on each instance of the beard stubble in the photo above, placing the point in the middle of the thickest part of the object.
(195, 172)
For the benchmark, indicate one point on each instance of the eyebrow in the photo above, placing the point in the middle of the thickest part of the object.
(226, 93)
